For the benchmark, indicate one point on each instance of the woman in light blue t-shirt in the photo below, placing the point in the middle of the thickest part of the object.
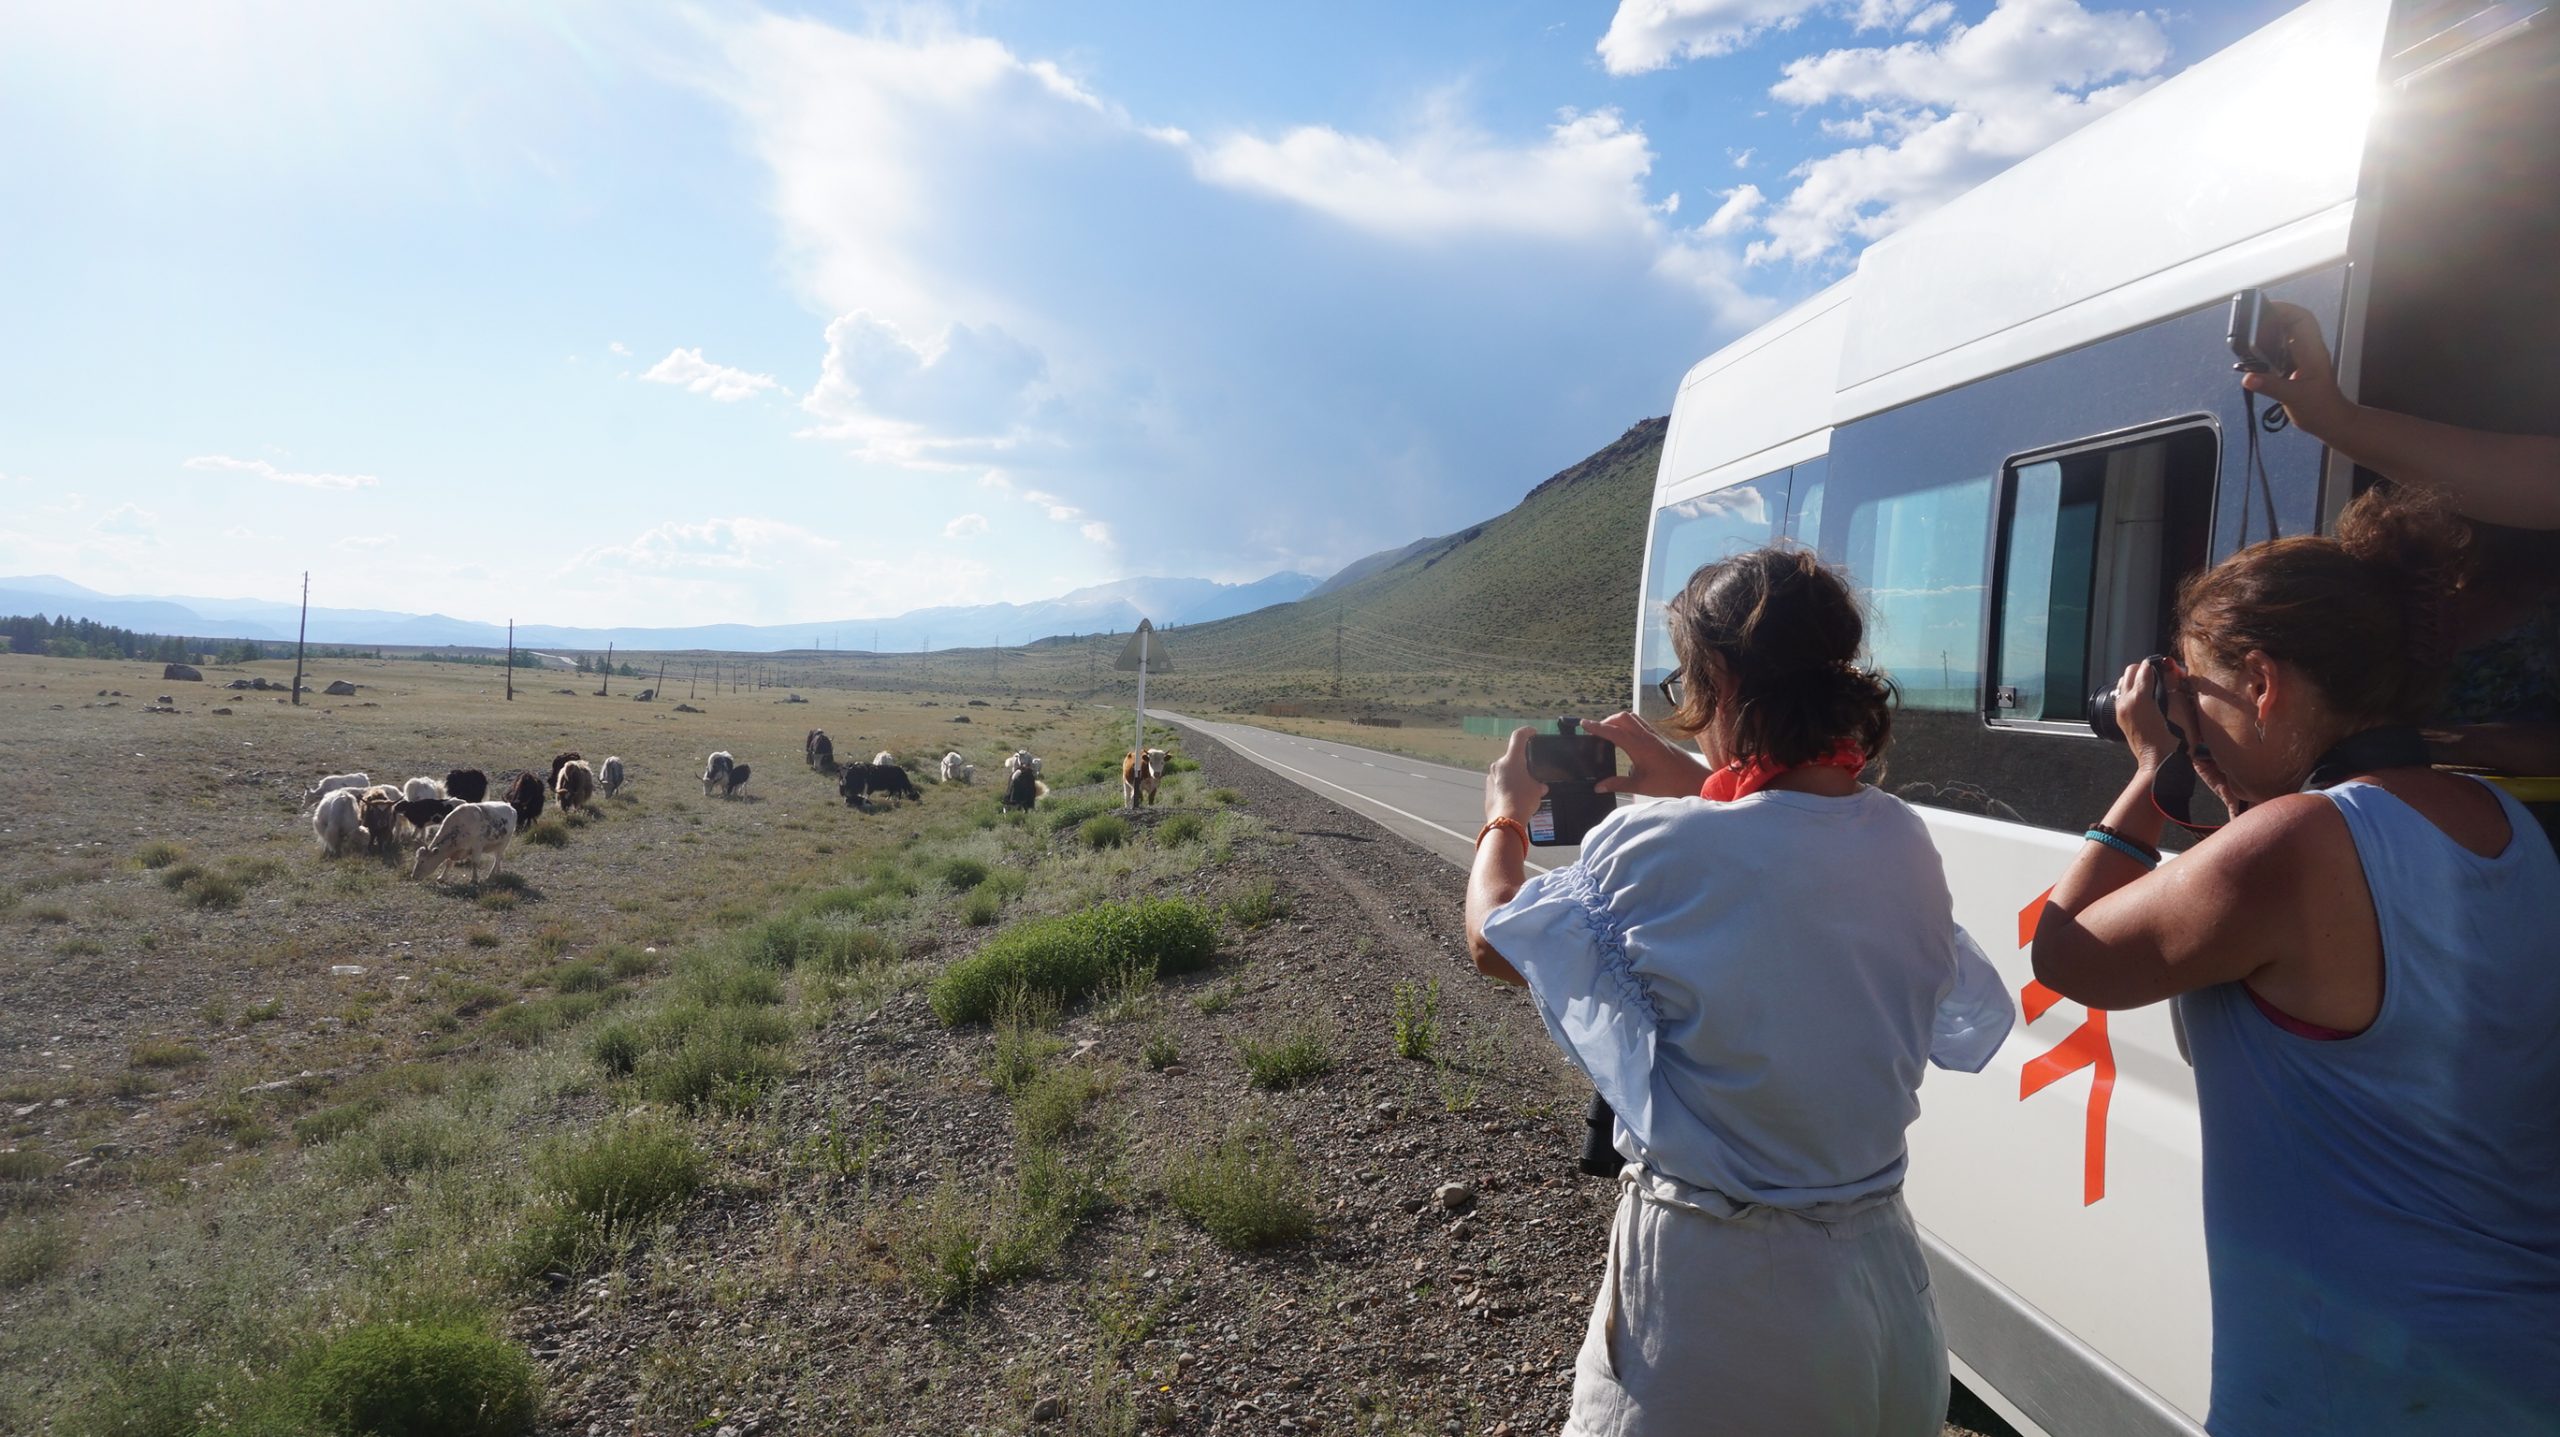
(1755, 973)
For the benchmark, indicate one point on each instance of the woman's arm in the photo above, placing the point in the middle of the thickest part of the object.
(1501, 856)
(2501, 478)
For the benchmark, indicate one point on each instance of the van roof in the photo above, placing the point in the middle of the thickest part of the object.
(2171, 202)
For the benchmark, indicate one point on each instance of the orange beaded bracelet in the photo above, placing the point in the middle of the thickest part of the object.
(1510, 824)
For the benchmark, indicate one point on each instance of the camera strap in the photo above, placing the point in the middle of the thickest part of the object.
(2254, 463)
(2392, 746)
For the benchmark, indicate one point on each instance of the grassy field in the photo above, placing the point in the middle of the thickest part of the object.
(254, 1097)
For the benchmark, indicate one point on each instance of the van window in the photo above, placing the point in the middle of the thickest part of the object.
(2092, 545)
(1686, 537)
(1918, 556)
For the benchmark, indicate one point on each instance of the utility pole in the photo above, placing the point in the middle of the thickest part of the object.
(661, 689)
(1337, 651)
(299, 634)
(608, 668)
(995, 660)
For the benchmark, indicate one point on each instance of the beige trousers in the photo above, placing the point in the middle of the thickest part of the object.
(1719, 1318)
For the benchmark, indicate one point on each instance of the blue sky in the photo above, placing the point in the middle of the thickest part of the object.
(590, 312)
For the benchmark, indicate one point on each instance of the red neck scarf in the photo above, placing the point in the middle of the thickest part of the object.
(1745, 777)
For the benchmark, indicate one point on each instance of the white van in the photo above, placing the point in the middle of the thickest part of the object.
(2015, 426)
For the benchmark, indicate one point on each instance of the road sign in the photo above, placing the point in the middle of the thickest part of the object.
(1145, 646)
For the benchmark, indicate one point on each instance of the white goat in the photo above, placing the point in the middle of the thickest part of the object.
(338, 823)
(609, 777)
(956, 769)
(884, 756)
(1022, 760)
(423, 788)
(333, 783)
(468, 834)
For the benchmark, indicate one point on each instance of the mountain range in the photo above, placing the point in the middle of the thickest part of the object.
(1101, 608)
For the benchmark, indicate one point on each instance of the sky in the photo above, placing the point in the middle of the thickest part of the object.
(602, 312)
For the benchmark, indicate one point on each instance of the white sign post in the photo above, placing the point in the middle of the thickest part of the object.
(1142, 654)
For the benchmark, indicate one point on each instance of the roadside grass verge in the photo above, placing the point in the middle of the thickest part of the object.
(1070, 956)
(1289, 1061)
(1246, 1189)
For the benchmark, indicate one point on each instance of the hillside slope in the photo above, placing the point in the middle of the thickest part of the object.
(1535, 607)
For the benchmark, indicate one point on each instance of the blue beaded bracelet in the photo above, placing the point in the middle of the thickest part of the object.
(2120, 846)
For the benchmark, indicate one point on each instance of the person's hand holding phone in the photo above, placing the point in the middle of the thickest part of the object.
(1656, 768)
(1510, 791)
(2309, 393)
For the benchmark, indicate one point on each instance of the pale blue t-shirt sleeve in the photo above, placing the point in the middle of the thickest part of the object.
(1563, 937)
(1975, 1016)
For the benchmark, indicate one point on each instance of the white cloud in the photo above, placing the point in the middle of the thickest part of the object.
(128, 519)
(967, 526)
(366, 543)
(1584, 181)
(1742, 158)
(1931, 17)
(265, 470)
(688, 368)
(617, 347)
(712, 545)
(1940, 117)
(1095, 530)
(1742, 204)
(908, 400)
(1650, 34)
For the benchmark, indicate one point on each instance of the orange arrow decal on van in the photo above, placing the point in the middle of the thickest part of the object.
(2087, 1046)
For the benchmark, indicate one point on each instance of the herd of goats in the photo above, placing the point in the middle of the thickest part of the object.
(456, 822)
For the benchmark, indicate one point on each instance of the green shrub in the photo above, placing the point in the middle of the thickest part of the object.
(1284, 1063)
(1048, 1109)
(627, 961)
(526, 1024)
(548, 833)
(982, 907)
(616, 1048)
(179, 875)
(962, 874)
(330, 1124)
(1108, 831)
(726, 1060)
(481, 938)
(1225, 797)
(1013, 1064)
(823, 944)
(580, 976)
(1178, 830)
(212, 890)
(715, 983)
(152, 1398)
(1257, 904)
(403, 1147)
(1162, 1051)
(626, 1176)
(444, 1378)
(1071, 813)
(22, 1166)
(1069, 956)
(159, 853)
(162, 1053)
(30, 1252)
(1246, 1191)
(1417, 1020)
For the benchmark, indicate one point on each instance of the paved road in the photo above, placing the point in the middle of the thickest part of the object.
(1432, 804)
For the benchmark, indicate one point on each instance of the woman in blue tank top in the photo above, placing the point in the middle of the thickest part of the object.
(2368, 967)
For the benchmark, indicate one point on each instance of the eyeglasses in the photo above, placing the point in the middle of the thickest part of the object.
(1670, 688)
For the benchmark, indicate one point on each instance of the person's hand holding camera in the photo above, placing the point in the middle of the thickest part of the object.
(1509, 789)
(1656, 768)
(2310, 394)
(2141, 711)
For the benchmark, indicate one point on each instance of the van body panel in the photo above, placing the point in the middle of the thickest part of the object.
(2108, 225)
(1752, 397)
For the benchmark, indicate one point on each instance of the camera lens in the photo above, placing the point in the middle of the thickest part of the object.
(2102, 715)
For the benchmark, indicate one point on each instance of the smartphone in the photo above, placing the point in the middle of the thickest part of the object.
(1570, 765)
(2257, 341)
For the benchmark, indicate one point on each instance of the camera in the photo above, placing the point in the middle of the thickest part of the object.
(2255, 338)
(2102, 703)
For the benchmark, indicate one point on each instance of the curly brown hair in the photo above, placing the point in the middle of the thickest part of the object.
(1786, 632)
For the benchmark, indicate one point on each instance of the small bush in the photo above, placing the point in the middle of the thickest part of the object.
(1162, 1051)
(580, 976)
(1257, 904)
(159, 853)
(20, 1166)
(1108, 831)
(1246, 1191)
(819, 944)
(716, 984)
(725, 1060)
(548, 833)
(176, 874)
(445, 1378)
(1014, 1064)
(1210, 1002)
(1047, 1111)
(627, 961)
(982, 907)
(616, 1048)
(1417, 1020)
(161, 1053)
(526, 1024)
(30, 1252)
(404, 1147)
(1071, 813)
(1178, 830)
(212, 890)
(1284, 1063)
(1225, 797)
(1068, 957)
(330, 1124)
(481, 938)
(626, 1176)
(962, 874)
